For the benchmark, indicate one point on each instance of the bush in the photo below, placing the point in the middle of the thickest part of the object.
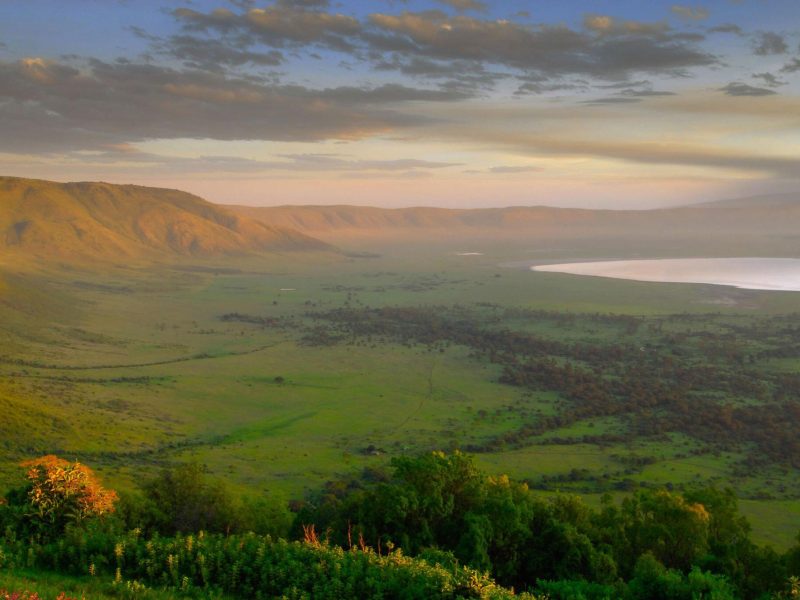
(59, 494)
(253, 567)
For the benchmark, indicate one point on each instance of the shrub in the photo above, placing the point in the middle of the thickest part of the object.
(59, 493)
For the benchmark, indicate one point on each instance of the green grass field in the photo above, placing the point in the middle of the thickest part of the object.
(134, 370)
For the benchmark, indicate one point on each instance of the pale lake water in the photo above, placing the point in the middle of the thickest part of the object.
(782, 274)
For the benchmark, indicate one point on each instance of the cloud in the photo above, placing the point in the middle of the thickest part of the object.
(619, 85)
(793, 66)
(634, 93)
(326, 162)
(432, 41)
(654, 153)
(768, 43)
(279, 25)
(542, 87)
(127, 157)
(514, 169)
(606, 25)
(769, 79)
(742, 89)
(390, 93)
(48, 106)
(304, 3)
(611, 100)
(689, 13)
(610, 49)
(727, 28)
(463, 5)
(214, 55)
(690, 130)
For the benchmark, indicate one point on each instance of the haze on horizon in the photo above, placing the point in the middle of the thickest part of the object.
(455, 103)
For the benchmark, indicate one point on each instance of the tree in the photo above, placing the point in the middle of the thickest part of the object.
(185, 499)
(673, 529)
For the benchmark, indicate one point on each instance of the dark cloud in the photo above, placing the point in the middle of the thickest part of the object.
(727, 28)
(769, 79)
(465, 4)
(634, 93)
(687, 12)
(768, 43)
(606, 25)
(48, 106)
(465, 77)
(620, 85)
(214, 55)
(608, 50)
(543, 87)
(279, 25)
(611, 100)
(631, 90)
(742, 89)
(389, 93)
(793, 66)
(304, 3)
(429, 42)
(422, 67)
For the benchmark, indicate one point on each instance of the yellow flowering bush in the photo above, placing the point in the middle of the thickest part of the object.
(63, 491)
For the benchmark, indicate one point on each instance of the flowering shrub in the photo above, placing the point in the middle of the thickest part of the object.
(62, 491)
(6, 595)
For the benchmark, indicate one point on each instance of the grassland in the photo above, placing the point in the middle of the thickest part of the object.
(136, 368)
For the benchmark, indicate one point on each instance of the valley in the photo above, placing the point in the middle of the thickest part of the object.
(276, 371)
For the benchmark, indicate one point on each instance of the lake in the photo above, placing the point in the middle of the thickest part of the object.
(781, 274)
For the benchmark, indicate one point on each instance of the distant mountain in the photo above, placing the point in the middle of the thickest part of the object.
(763, 226)
(337, 222)
(767, 201)
(343, 220)
(100, 221)
(111, 222)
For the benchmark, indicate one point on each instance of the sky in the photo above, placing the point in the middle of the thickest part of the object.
(455, 103)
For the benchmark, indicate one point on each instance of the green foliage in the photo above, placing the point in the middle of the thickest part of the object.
(57, 586)
(253, 567)
(661, 542)
(439, 526)
(674, 530)
(653, 581)
(577, 590)
(185, 499)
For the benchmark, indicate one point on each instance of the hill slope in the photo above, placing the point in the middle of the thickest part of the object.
(767, 224)
(103, 221)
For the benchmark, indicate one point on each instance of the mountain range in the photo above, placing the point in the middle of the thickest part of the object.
(101, 221)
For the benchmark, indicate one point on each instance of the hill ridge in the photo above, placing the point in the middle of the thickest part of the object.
(98, 220)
